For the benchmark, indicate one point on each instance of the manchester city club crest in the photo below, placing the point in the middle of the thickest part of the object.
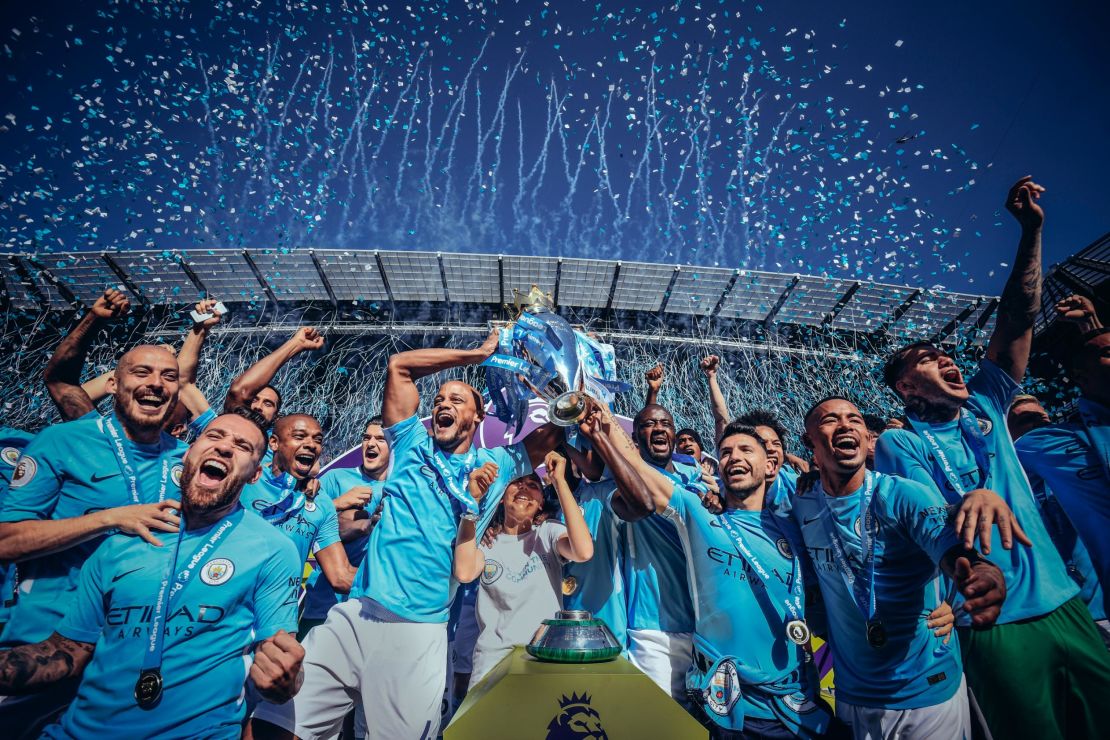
(217, 571)
(310, 506)
(784, 548)
(985, 425)
(10, 456)
(492, 572)
(175, 475)
(724, 689)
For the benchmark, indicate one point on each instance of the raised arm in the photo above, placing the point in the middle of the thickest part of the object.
(29, 668)
(659, 487)
(63, 371)
(401, 399)
(632, 501)
(717, 404)
(576, 545)
(244, 388)
(469, 560)
(1079, 310)
(1021, 297)
(654, 378)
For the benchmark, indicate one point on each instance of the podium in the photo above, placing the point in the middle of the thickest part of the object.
(523, 698)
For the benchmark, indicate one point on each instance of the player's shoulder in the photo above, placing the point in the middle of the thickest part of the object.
(900, 440)
(176, 447)
(895, 491)
(256, 535)
(1049, 439)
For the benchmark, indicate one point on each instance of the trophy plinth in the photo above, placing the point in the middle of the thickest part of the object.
(574, 637)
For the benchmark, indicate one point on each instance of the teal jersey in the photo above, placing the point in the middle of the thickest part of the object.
(408, 565)
(1036, 579)
(598, 584)
(311, 523)
(70, 470)
(914, 668)
(12, 442)
(319, 595)
(783, 489)
(243, 591)
(654, 566)
(738, 617)
(1071, 459)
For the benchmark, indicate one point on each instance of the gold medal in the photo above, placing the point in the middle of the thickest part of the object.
(570, 585)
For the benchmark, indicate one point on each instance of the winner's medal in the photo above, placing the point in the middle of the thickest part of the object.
(876, 634)
(797, 631)
(570, 585)
(148, 689)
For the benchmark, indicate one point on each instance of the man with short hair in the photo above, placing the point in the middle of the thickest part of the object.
(356, 494)
(1073, 459)
(688, 442)
(749, 682)
(957, 442)
(875, 542)
(253, 388)
(280, 495)
(660, 613)
(217, 591)
(388, 643)
(783, 481)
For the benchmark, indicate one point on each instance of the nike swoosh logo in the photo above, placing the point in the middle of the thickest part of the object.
(125, 573)
(810, 520)
(97, 478)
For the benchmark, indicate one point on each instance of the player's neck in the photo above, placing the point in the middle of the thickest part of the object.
(841, 483)
(667, 465)
(749, 500)
(139, 435)
(931, 412)
(374, 474)
(200, 519)
(458, 447)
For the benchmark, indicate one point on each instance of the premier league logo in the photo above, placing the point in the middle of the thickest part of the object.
(25, 470)
(217, 571)
(576, 720)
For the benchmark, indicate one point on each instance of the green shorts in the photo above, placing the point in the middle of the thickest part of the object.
(1046, 678)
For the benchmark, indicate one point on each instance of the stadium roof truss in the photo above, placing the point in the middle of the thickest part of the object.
(673, 293)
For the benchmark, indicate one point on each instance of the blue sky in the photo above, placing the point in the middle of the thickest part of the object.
(867, 140)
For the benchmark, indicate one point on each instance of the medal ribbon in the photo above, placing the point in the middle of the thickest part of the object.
(152, 659)
(120, 445)
(794, 602)
(862, 589)
(291, 502)
(972, 434)
(448, 483)
(1093, 418)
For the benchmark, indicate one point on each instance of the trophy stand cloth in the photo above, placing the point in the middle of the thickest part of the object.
(525, 698)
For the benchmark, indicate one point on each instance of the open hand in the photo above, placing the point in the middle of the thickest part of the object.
(354, 498)
(980, 510)
(139, 519)
(941, 621)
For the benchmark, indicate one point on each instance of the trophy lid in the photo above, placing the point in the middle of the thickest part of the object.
(534, 301)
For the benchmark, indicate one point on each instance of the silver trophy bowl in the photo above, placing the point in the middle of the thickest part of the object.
(574, 637)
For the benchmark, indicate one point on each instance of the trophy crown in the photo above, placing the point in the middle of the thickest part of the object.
(535, 300)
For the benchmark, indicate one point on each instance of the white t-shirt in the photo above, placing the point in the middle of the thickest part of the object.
(520, 587)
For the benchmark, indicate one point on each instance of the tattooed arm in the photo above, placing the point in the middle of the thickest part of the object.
(1021, 297)
(29, 668)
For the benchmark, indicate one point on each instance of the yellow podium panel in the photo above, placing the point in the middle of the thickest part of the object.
(523, 698)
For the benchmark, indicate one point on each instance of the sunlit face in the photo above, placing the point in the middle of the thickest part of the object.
(932, 377)
(523, 499)
(654, 429)
(220, 462)
(375, 449)
(297, 443)
(838, 434)
(687, 445)
(145, 386)
(1026, 415)
(266, 403)
(455, 414)
(773, 443)
(744, 465)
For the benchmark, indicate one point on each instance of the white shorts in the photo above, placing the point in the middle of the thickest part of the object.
(950, 720)
(665, 657)
(396, 668)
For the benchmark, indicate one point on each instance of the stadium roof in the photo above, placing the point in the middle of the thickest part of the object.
(1086, 272)
(396, 280)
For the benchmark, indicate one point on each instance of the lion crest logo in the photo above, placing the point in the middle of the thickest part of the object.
(576, 720)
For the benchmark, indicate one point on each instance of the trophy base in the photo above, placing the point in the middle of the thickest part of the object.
(568, 409)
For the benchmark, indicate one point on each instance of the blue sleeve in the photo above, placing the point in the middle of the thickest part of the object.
(328, 531)
(405, 434)
(993, 385)
(199, 424)
(900, 453)
(922, 514)
(329, 486)
(36, 481)
(682, 499)
(277, 591)
(84, 618)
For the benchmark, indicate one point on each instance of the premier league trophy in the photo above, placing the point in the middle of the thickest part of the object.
(541, 355)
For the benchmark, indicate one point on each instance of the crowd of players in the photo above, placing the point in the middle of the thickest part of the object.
(147, 594)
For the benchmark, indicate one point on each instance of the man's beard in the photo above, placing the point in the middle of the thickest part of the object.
(205, 502)
(742, 494)
(143, 422)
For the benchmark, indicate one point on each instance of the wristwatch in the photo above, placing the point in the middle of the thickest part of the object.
(468, 516)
